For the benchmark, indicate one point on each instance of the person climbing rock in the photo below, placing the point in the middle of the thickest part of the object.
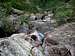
(39, 35)
(35, 41)
(36, 49)
(34, 37)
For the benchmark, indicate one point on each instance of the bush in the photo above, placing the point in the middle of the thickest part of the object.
(23, 19)
(63, 14)
(5, 24)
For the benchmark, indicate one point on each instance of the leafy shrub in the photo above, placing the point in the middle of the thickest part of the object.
(24, 19)
(2, 13)
(5, 23)
(63, 14)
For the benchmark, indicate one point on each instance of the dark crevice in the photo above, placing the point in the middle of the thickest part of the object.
(4, 34)
(66, 1)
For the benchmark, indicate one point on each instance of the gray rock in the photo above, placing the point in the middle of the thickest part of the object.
(15, 46)
(42, 26)
(64, 36)
(57, 51)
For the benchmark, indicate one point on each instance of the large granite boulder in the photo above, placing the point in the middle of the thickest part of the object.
(15, 46)
(18, 45)
(62, 40)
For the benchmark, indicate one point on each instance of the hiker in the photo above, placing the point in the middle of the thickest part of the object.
(39, 35)
(36, 49)
(34, 40)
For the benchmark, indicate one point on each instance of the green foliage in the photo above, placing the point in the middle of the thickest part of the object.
(62, 9)
(31, 5)
(7, 26)
(6, 4)
(5, 23)
(63, 12)
(2, 13)
(24, 19)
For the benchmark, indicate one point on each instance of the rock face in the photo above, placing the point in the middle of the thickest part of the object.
(42, 26)
(43, 22)
(61, 42)
(15, 46)
(18, 45)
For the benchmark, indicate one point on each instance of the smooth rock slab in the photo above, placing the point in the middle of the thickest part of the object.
(15, 47)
